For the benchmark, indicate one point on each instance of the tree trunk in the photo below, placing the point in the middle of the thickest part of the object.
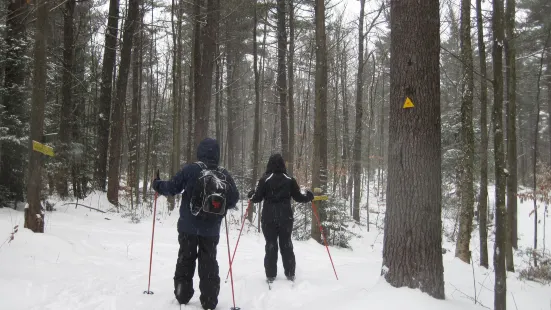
(203, 90)
(359, 114)
(511, 86)
(483, 197)
(67, 110)
(412, 250)
(500, 288)
(109, 58)
(34, 217)
(346, 123)
(319, 159)
(134, 130)
(120, 102)
(536, 141)
(147, 176)
(291, 153)
(257, 129)
(176, 107)
(462, 250)
(13, 115)
(282, 76)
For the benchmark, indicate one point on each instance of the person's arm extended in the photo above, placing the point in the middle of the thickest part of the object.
(233, 195)
(297, 195)
(258, 195)
(175, 185)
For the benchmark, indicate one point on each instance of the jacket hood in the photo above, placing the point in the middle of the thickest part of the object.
(276, 164)
(208, 152)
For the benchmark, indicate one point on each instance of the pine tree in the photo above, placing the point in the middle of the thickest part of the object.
(412, 250)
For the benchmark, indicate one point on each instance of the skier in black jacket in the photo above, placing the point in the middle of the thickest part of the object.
(198, 236)
(276, 188)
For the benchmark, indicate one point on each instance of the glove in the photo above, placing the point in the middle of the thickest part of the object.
(250, 194)
(310, 195)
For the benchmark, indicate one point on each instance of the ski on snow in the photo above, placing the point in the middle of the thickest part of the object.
(270, 283)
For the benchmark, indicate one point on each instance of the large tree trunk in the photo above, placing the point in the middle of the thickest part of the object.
(282, 76)
(34, 217)
(109, 58)
(412, 250)
(357, 170)
(500, 287)
(483, 197)
(511, 86)
(319, 159)
(67, 110)
(291, 153)
(536, 143)
(176, 107)
(134, 128)
(13, 115)
(120, 102)
(462, 250)
(203, 91)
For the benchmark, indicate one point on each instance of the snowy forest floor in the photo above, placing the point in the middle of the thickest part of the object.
(91, 260)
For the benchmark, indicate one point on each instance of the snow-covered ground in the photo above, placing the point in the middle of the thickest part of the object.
(90, 260)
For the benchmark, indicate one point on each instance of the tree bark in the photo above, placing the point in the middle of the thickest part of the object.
(120, 102)
(462, 250)
(291, 153)
(257, 129)
(536, 144)
(67, 109)
(134, 130)
(483, 197)
(203, 90)
(511, 86)
(13, 115)
(412, 250)
(282, 76)
(109, 58)
(359, 115)
(319, 159)
(34, 217)
(500, 287)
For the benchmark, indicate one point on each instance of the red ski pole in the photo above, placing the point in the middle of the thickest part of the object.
(149, 292)
(237, 244)
(323, 234)
(230, 261)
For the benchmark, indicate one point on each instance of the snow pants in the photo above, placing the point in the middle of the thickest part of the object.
(193, 247)
(282, 230)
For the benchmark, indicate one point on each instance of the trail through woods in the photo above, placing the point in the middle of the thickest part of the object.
(84, 261)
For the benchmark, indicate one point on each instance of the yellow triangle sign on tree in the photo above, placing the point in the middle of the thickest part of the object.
(408, 104)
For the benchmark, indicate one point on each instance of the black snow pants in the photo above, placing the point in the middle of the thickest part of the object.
(282, 230)
(193, 247)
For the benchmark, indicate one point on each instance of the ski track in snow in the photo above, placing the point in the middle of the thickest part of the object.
(86, 262)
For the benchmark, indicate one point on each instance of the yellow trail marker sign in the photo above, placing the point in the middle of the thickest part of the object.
(320, 198)
(44, 149)
(408, 104)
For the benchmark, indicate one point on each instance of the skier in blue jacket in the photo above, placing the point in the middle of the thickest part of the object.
(198, 235)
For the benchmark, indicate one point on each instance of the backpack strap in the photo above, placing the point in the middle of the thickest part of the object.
(201, 164)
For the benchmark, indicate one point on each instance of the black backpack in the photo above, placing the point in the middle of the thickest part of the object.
(210, 191)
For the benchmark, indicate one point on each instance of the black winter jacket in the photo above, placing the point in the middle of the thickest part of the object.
(208, 152)
(276, 188)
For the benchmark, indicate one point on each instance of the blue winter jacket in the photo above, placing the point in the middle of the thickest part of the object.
(208, 152)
